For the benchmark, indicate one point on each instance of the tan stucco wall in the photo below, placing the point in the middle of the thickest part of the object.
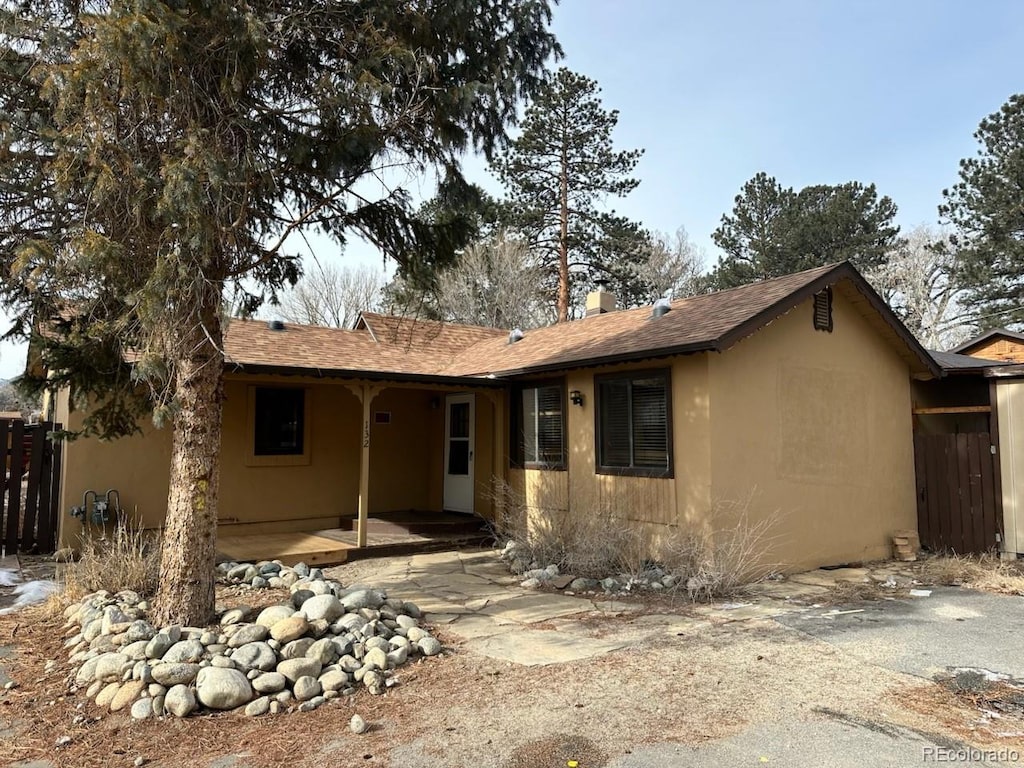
(653, 505)
(815, 428)
(1010, 406)
(808, 427)
(406, 460)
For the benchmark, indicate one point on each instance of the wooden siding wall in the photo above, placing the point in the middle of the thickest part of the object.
(1000, 349)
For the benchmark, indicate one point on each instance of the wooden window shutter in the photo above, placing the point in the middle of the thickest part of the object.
(823, 310)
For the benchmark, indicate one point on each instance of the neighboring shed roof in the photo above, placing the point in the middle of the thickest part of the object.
(995, 333)
(385, 346)
(953, 363)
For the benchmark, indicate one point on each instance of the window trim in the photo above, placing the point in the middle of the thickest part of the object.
(600, 469)
(252, 459)
(516, 447)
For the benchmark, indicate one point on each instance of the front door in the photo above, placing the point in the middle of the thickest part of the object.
(458, 453)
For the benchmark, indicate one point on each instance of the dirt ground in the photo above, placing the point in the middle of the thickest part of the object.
(705, 682)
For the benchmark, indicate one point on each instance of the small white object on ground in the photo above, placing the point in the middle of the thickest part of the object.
(30, 593)
(9, 578)
(920, 593)
(358, 725)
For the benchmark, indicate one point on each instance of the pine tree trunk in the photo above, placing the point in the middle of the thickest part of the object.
(563, 240)
(186, 592)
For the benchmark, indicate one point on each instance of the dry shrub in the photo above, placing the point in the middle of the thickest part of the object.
(721, 563)
(127, 557)
(593, 544)
(987, 572)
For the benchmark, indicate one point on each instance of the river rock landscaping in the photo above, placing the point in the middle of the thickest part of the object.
(326, 643)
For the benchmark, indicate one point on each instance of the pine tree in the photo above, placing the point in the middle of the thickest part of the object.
(775, 231)
(154, 155)
(557, 173)
(987, 209)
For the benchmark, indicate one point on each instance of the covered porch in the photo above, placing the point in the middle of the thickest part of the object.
(386, 534)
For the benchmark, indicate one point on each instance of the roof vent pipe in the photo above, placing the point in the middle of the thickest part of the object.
(515, 335)
(275, 325)
(661, 307)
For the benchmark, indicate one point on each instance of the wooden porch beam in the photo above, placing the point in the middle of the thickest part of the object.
(953, 409)
(365, 393)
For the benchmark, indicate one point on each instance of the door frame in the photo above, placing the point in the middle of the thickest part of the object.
(459, 491)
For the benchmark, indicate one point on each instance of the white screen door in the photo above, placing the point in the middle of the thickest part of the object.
(458, 453)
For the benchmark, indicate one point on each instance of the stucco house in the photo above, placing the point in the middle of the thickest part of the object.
(794, 393)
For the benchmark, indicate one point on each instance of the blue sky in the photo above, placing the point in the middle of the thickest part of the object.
(809, 92)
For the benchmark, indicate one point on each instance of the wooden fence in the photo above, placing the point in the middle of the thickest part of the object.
(959, 507)
(31, 492)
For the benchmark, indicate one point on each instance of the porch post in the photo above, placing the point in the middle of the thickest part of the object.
(365, 393)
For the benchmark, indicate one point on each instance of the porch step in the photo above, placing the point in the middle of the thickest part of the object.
(290, 548)
(410, 523)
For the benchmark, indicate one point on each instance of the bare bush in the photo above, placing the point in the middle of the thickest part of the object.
(722, 562)
(128, 557)
(596, 544)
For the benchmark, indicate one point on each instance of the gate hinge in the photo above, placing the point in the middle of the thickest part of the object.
(993, 449)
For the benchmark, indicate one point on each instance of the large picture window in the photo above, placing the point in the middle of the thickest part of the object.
(279, 421)
(538, 426)
(634, 433)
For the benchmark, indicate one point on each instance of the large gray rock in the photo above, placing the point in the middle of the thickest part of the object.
(176, 673)
(235, 615)
(158, 646)
(362, 598)
(258, 707)
(375, 658)
(184, 650)
(139, 630)
(180, 701)
(112, 666)
(222, 688)
(255, 656)
(269, 682)
(297, 648)
(326, 607)
(142, 709)
(293, 669)
(113, 616)
(429, 646)
(334, 680)
(136, 650)
(324, 650)
(248, 633)
(306, 688)
(87, 672)
(270, 616)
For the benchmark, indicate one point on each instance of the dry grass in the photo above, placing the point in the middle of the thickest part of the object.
(127, 557)
(986, 572)
(846, 592)
(725, 561)
(592, 545)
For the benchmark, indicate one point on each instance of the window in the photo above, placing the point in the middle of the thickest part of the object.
(279, 423)
(633, 424)
(538, 426)
(823, 310)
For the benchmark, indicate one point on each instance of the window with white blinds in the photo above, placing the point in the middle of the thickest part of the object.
(634, 433)
(538, 414)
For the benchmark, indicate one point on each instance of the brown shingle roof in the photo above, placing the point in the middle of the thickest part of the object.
(410, 332)
(383, 345)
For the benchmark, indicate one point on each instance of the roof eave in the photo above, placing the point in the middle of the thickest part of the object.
(339, 373)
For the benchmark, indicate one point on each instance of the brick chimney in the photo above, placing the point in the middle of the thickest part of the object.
(600, 301)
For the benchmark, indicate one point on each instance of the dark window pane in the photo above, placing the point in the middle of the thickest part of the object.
(458, 457)
(615, 437)
(458, 420)
(279, 421)
(541, 425)
(650, 425)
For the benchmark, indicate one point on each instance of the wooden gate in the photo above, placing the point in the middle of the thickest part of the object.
(959, 507)
(31, 493)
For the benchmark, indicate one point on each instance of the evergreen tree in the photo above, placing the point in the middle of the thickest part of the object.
(987, 209)
(557, 174)
(775, 231)
(155, 154)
